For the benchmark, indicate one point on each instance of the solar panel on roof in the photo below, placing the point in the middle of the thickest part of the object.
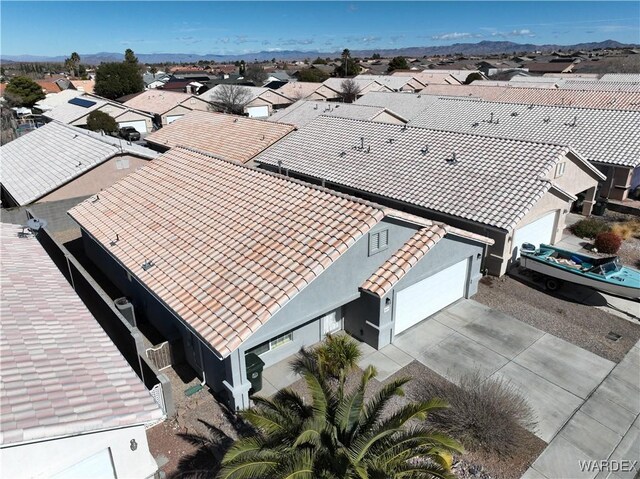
(82, 102)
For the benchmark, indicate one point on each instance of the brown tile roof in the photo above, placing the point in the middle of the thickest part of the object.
(84, 85)
(60, 372)
(399, 264)
(494, 181)
(230, 245)
(157, 101)
(228, 137)
(49, 86)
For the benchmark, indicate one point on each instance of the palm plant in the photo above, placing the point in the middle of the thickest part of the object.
(337, 356)
(339, 435)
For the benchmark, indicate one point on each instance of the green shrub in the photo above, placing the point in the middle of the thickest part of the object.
(608, 243)
(589, 228)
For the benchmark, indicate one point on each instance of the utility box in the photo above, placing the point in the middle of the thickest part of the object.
(255, 365)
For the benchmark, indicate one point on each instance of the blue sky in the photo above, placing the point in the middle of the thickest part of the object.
(58, 28)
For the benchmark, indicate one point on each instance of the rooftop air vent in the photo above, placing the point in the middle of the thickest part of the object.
(147, 264)
(453, 160)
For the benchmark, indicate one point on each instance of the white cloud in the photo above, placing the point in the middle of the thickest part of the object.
(524, 32)
(456, 36)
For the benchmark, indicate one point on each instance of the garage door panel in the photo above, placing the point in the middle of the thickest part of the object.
(430, 295)
(536, 232)
(172, 118)
(258, 111)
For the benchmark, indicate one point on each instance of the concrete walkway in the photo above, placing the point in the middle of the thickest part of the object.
(605, 428)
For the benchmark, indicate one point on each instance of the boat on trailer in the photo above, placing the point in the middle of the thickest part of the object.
(605, 274)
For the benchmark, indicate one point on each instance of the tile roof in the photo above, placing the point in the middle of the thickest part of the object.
(84, 85)
(407, 105)
(542, 96)
(157, 101)
(494, 181)
(601, 136)
(267, 94)
(621, 77)
(599, 85)
(229, 137)
(60, 373)
(54, 154)
(303, 111)
(299, 89)
(394, 82)
(53, 100)
(69, 112)
(400, 263)
(49, 86)
(230, 244)
(336, 84)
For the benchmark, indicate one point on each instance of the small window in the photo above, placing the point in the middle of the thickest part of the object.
(378, 241)
(273, 344)
(560, 169)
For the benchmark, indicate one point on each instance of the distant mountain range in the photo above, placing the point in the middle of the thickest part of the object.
(480, 49)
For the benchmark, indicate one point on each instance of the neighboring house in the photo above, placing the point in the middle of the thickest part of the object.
(262, 102)
(619, 100)
(72, 407)
(304, 111)
(58, 161)
(608, 139)
(396, 83)
(300, 90)
(85, 86)
(53, 100)
(331, 89)
(407, 105)
(550, 67)
(438, 77)
(236, 260)
(511, 191)
(49, 86)
(585, 84)
(75, 111)
(229, 137)
(168, 105)
(278, 75)
(148, 78)
(621, 77)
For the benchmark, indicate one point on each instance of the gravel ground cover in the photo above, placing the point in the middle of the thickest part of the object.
(579, 324)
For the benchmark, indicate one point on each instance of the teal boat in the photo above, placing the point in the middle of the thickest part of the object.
(605, 274)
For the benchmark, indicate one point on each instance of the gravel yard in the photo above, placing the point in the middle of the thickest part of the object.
(582, 325)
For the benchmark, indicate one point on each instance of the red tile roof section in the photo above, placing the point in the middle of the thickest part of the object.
(229, 137)
(60, 373)
(230, 245)
(399, 264)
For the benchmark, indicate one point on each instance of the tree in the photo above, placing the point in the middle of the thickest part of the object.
(339, 434)
(337, 356)
(472, 77)
(153, 70)
(319, 61)
(23, 91)
(229, 98)
(114, 80)
(75, 61)
(101, 121)
(398, 63)
(348, 66)
(243, 68)
(130, 57)
(256, 74)
(349, 90)
(376, 56)
(312, 75)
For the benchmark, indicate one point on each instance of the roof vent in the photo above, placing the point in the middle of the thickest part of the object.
(342, 153)
(574, 122)
(79, 164)
(404, 127)
(530, 107)
(514, 113)
(315, 107)
(547, 119)
(424, 150)
(453, 160)
(96, 199)
(390, 140)
(475, 124)
(147, 264)
(113, 243)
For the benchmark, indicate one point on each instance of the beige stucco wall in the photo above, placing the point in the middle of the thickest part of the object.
(134, 116)
(96, 179)
(385, 117)
(616, 186)
(326, 92)
(176, 110)
(577, 177)
(196, 103)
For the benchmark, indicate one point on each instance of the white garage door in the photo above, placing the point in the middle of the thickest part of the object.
(172, 118)
(258, 111)
(427, 297)
(540, 231)
(98, 466)
(139, 125)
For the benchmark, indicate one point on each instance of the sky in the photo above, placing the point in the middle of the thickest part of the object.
(58, 28)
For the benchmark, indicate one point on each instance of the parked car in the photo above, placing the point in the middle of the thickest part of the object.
(129, 133)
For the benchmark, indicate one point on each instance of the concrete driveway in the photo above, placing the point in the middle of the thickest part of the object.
(555, 376)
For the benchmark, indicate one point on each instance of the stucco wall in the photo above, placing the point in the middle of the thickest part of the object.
(96, 179)
(577, 177)
(46, 458)
(618, 182)
(385, 117)
(176, 110)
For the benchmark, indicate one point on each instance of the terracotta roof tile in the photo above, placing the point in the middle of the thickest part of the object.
(61, 374)
(252, 234)
(157, 101)
(225, 136)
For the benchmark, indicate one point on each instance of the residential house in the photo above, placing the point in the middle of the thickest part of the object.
(71, 404)
(167, 105)
(584, 84)
(278, 75)
(85, 86)
(305, 111)
(608, 139)
(58, 161)
(621, 77)
(396, 83)
(53, 100)
(550, 67)
(429, 77)
(49, 86)
(299, 90)
(407, 105)
(331, 89)
(75, 111)
(229, 137)
(236, 260)
(261, 102)
(511, 191)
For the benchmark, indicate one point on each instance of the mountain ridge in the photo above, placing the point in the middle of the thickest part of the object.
(484, 47)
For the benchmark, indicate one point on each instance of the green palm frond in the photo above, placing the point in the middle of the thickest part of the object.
(373, 410)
